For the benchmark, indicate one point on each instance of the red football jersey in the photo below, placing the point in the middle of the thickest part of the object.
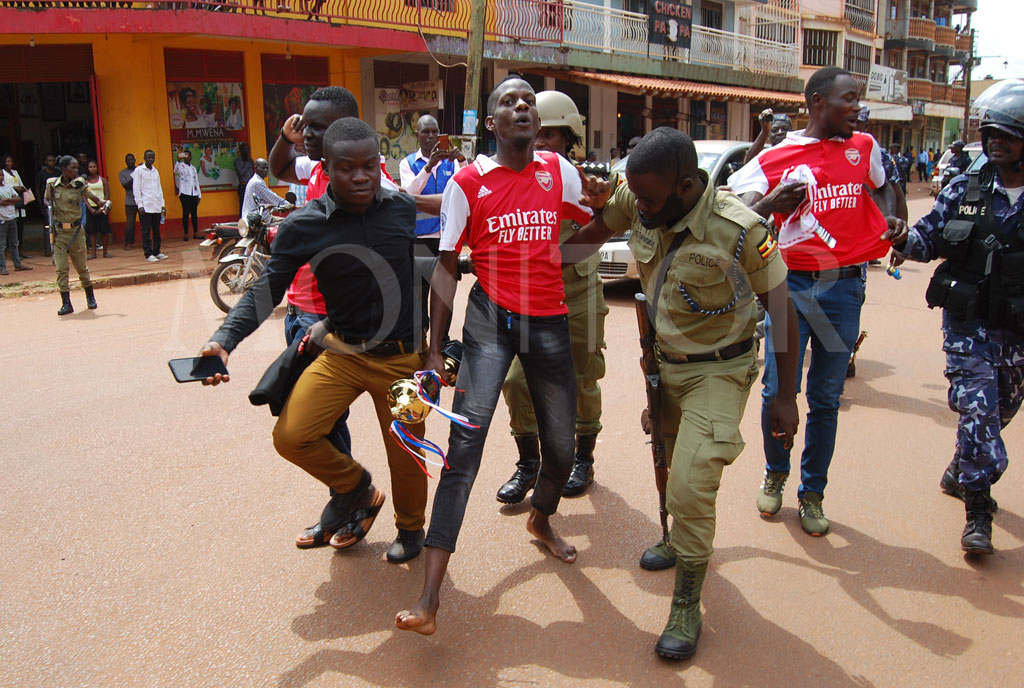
(848, 223)
(510, 221)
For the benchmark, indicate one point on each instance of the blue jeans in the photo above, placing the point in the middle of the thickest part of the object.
(295, 327)
(492, 336)
(828, 314)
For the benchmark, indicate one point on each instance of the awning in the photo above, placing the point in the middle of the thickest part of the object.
(888, 112)
(655, 86)
(944, 110)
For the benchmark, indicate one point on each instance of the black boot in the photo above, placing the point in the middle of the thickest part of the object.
(527, 468)
(681, 634)
(977, 537)
(90, 298)
(950, 483)
(582, 467)
(406, 546)
(65, 297)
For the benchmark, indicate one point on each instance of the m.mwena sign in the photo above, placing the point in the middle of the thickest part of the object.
(670, 23)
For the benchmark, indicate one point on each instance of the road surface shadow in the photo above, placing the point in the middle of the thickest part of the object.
(478, 644)
(866, 564)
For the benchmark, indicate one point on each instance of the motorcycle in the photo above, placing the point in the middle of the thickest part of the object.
(239, 269)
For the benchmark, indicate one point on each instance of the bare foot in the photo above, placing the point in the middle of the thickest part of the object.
(422, 618)
(539, 526)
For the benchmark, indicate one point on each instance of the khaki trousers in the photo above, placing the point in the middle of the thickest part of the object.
(323, 392)
(587, 311)
(76, 252)
(702, 406)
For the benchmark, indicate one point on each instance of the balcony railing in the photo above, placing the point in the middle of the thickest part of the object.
(963, 43)
(921, 28)
(945, 40)
(727, 49)
(571, 23)
(860, 18)
(919, 89)
(947, 93)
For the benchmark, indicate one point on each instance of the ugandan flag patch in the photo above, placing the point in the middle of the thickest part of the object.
(767, 246)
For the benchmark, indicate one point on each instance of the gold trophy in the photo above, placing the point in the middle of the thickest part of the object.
(407, 406)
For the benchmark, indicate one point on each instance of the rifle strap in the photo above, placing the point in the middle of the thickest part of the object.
(652, 308)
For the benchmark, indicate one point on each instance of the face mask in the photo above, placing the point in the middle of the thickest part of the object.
(674, 209)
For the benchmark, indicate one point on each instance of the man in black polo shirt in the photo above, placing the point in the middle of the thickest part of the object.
(359, 240)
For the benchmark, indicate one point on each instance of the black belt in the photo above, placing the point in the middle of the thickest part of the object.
(385, 347)
(723, 354)
(836, 274)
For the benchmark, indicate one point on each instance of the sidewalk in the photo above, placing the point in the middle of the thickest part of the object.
(185, 259)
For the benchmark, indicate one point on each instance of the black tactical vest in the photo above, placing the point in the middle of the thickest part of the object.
(982, 277)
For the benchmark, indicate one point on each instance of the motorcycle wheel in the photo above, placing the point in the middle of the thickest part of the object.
(228, 284)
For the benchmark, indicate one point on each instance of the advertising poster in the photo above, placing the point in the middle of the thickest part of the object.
(397, 128)
(281, 101)
(208, 119)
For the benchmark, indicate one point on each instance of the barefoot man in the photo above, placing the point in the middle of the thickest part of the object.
(508, 209)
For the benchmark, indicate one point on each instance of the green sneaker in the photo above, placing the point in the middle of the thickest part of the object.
(769, 495)
(812, 516)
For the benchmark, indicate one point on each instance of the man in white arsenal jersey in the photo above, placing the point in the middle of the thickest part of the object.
(827, 190)
(508, 210)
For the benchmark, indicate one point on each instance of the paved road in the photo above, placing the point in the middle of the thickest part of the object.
(147, 532)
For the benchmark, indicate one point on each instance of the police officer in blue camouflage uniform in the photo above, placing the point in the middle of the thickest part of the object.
(977, 227)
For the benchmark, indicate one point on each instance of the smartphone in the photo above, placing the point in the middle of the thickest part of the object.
(444, 142)
(198, 368)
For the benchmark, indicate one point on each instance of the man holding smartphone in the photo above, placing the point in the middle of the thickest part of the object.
(427, 172)
(358, 240)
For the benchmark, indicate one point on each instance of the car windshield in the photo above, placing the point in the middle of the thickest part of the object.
(978, 162)
(706, 161)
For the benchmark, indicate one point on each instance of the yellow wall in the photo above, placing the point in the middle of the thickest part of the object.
(133, 101)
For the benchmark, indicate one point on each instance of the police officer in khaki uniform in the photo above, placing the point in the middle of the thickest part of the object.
(64, 196)
(561, 129)
(702, 255)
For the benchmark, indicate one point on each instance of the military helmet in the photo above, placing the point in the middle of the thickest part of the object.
(1002, 107)
(557, 110)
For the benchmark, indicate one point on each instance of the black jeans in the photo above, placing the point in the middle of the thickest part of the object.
(150, 223)
(130, 213)
(492, 336)
(189, 208)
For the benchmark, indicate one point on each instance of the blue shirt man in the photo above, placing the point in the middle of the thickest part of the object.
(427, 172)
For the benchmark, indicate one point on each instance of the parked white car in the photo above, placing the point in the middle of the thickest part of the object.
(718, 158)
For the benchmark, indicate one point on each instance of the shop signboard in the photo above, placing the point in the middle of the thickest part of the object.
(669, 23)
(208, 119)
(887, 85)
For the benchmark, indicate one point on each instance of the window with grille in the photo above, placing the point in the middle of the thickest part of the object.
(711, 14)
(857, 58)
(820, 47)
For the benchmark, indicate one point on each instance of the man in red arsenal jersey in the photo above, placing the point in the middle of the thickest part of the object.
(826, 187)
(508, 210)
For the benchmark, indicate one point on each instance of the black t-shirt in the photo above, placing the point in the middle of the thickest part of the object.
(363, 265)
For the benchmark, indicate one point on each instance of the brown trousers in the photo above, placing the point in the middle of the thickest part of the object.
(324, 391)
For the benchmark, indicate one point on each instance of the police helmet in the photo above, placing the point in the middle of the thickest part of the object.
(957, 144)
(557, 110)
(1001, 107)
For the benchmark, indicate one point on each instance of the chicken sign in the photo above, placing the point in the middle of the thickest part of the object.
(670, 23)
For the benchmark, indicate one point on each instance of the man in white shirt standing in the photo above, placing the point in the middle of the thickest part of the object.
(150, 198)
(426, 172)
(256, 190)
(186, 186)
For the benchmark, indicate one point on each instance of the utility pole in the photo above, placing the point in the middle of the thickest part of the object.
(474, 66)
(967, 82)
